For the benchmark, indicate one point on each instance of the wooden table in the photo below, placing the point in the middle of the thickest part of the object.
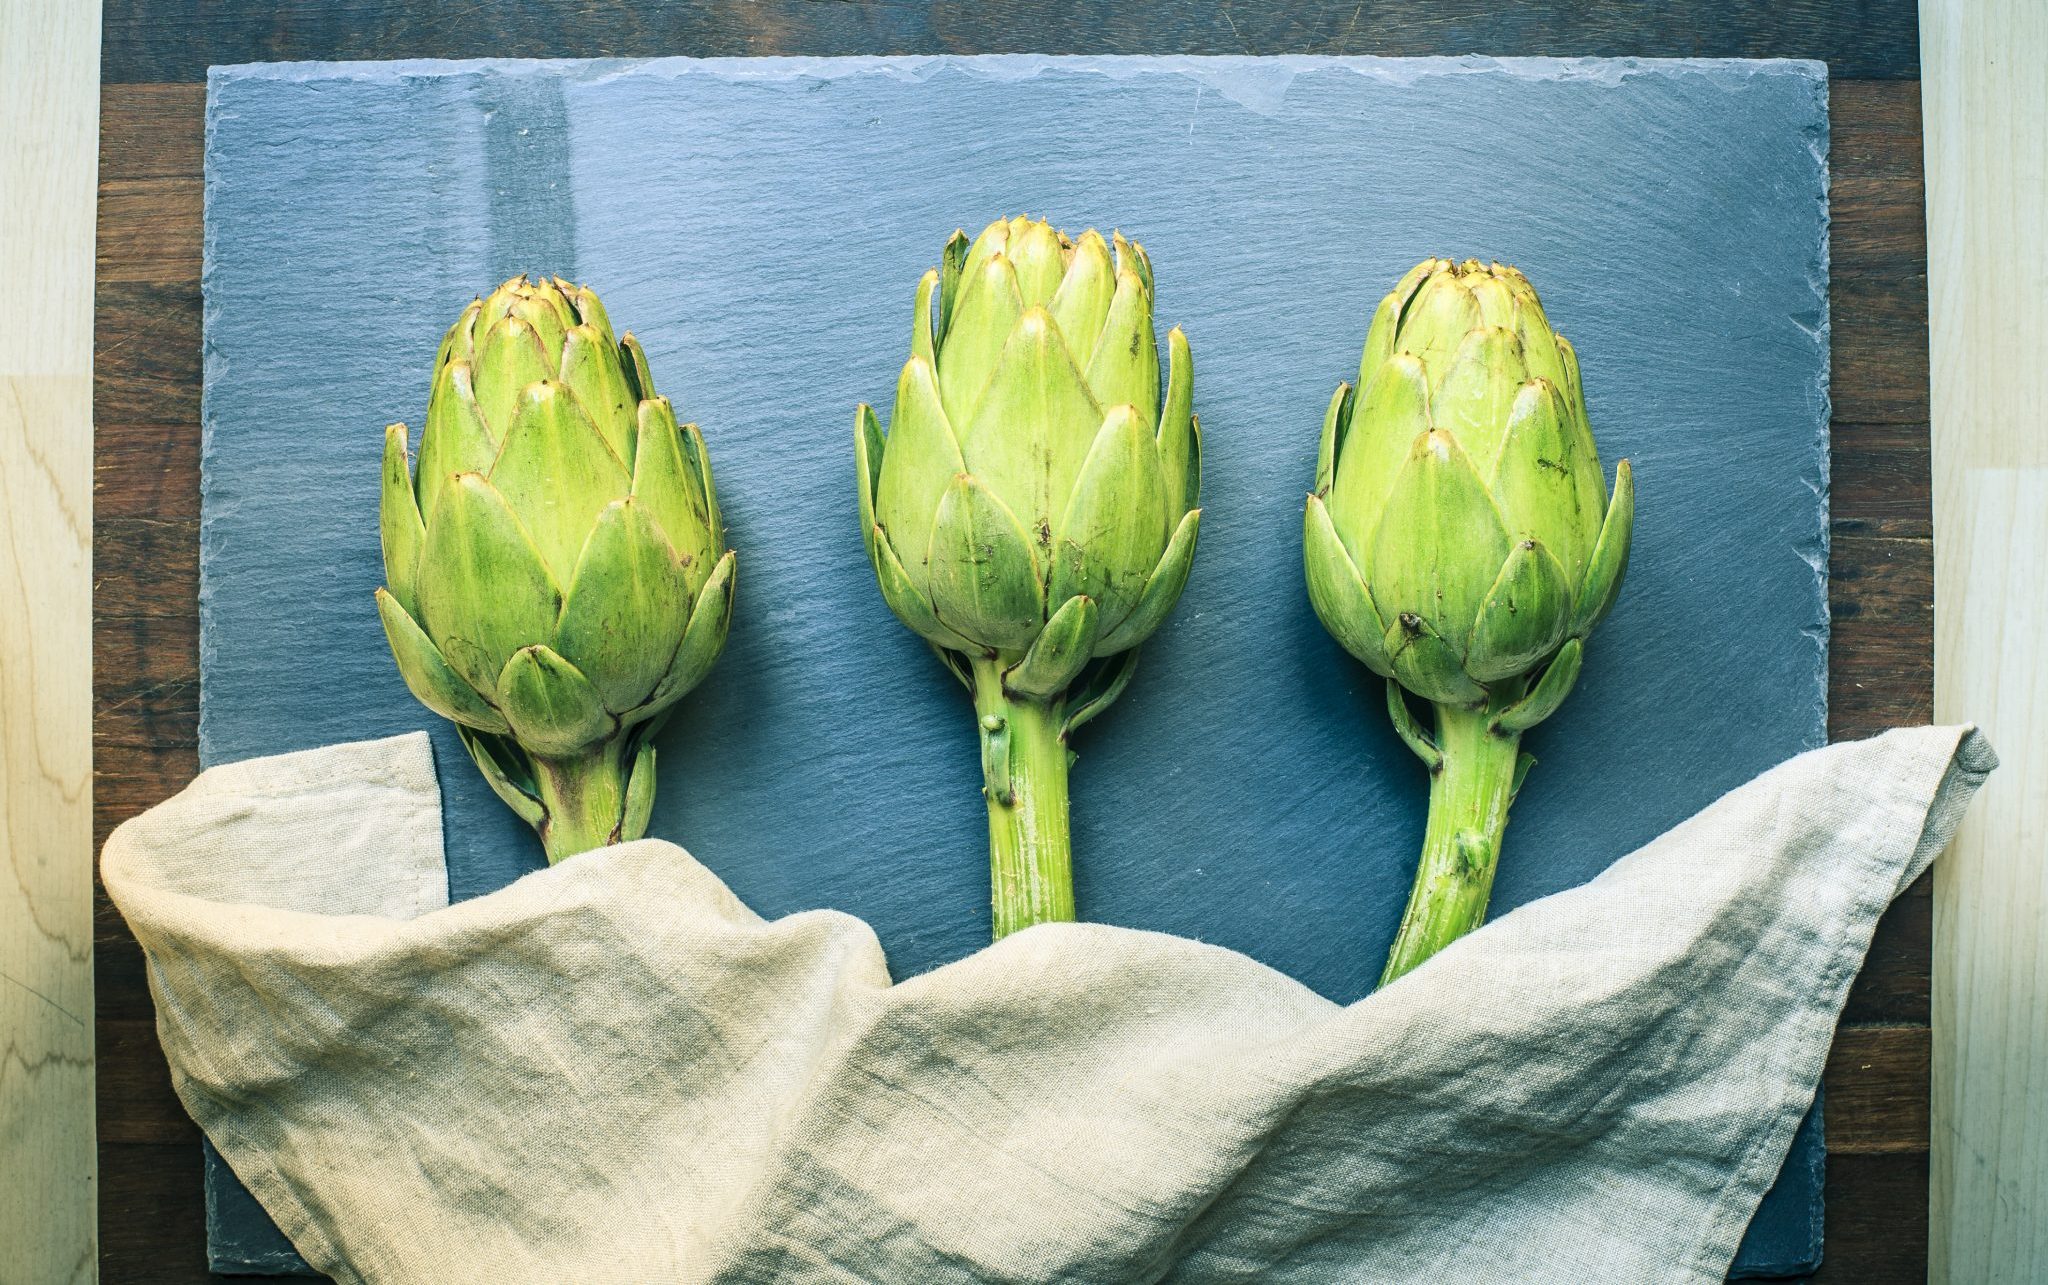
(147, 387)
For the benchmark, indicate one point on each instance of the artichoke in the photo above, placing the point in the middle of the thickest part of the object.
(1031, 512)
(1461, 542)
(556, 576)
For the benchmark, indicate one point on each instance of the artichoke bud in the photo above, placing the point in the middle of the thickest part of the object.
(556, 575)
(1036, 469)
(1461, 532)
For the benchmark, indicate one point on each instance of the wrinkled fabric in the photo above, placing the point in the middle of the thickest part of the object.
(612, 1070)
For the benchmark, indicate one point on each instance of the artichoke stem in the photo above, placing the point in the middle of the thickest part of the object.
(1024, 766)
(585, 799)
(1469, 793)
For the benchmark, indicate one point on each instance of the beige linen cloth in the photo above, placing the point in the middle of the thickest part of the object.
(614, 1071)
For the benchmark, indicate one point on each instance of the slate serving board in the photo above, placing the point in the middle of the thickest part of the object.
(760, 224)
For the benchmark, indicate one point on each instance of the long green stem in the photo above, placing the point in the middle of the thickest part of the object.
(585, 798)
(1469, 791)
(1024, 768)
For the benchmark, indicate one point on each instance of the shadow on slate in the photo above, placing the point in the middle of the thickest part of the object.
(761, 223)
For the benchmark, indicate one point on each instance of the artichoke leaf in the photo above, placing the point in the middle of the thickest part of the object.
(1379, 336)
(955, 662)
(639, 793)
(1101, 682)
(459, 344)
(1123, 367)
(1338, 593)
(1033, 429)
(1439, 546)
(1040, 263)
(399, 526)
(1542, 348)
(1496, 302)
(990, 307)
(1162, 589)
(503, 768)
(550, 319)
(557, 472)
(1437, 320)
(1409, 730)
(455, 439)
(921, 460)
(1131, 257)
(1056, 658)
(590, 311)
(989, 242)
(1591, 488)
(1427, 665)
(703, 639)
(627, 608)
(1537, 479)
(484, 591)
(951, 263)
(1524, 617)
(1335, 420)
(1115, 527)
(497, 303)
(1609, 563)
(908, 600)
(1548, 693)
(698, 456)
(592, 372)
(1474, 397)
(1082, 301)
(985, 580)
(1180, 444)
(665, 481)
(427, 674)
(1384, 330)
(869, 448)
(634, 358)
(509, 358)
(1386, 421)
(553, 709)
(921, 317)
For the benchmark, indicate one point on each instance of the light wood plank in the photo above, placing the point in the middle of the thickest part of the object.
(1985, 103)
(49, 101)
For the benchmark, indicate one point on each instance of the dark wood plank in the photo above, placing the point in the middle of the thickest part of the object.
(159, 1234)
(146, 353)
(162, 131)
(1876, 1082)
(1876, 1221)
(136, 1102)
(1881, 661)
(175, 40)
(1896, 982)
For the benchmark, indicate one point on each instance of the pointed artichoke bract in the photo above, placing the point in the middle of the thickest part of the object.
(1461, 542)
(556, 570)
(1032, 507)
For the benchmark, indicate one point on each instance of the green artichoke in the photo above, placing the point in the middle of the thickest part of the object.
(1461, 542)
(556, 576)
(1031, 512)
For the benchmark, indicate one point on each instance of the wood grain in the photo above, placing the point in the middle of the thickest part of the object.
(175, 40)
(1987, 176)
(146, 685)
(49, 66)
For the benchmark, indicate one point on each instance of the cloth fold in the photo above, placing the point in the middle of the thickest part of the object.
(612, 1070)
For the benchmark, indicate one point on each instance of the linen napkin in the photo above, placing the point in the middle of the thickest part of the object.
(612, 1070)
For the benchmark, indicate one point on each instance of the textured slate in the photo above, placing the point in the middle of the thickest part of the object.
(760, 224)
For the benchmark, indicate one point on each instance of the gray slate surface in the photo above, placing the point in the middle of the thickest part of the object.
(760, 224)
